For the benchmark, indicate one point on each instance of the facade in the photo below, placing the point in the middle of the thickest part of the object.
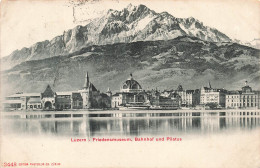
(89, 94)
(34, 103)
(173, 100)
(77, 101)
(131, 93)
(209, 95)
(233, 99)
(188, 97)
(20, 101)
(92, 98)
(246, 98)
(48, 98)
(63, 100)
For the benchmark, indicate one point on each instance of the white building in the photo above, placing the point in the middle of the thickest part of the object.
(210, 95)
(246, 98)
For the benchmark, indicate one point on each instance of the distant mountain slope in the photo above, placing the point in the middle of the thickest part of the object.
(133, 23)
(164, 64)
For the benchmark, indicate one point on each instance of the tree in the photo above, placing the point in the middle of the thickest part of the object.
(212, 105)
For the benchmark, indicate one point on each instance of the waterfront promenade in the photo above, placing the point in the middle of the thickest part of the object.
(129, 113)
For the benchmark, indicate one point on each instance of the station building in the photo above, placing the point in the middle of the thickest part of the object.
(131, 92)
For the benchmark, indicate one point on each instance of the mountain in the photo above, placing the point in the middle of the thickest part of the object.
(255, 43)
(133, 23)
(163, 64)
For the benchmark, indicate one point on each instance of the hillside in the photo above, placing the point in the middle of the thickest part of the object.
(164, 64)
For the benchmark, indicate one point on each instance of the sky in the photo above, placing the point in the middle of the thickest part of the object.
(25, 22)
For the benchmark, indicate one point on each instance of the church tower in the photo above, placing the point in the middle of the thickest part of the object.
(88, 93)
(85, 93)
(109, 93)
(86, 83)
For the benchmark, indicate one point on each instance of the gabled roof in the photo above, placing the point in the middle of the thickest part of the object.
(48, 92)
(92, 87)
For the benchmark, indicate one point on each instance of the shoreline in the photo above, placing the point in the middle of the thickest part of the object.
(182, 112)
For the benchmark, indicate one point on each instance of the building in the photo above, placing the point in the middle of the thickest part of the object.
(34, 103)
(131, 93)
(48, 98)
(189, 98)
(92, 98)
(192, 97)
(63, 100)
(233, 99)
(209, 95)
(77, 101)
(22, 101)
(172, 101)
(87, 97)
(246, 98)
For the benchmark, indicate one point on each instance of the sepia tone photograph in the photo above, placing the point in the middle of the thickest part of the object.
(130, 84)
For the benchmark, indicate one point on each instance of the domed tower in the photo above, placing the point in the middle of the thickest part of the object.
(131, 85)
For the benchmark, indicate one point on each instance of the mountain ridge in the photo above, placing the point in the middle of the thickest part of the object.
(133, 23)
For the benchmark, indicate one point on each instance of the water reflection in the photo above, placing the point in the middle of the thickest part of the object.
(89, 127)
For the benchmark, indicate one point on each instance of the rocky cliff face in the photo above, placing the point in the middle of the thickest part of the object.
(133, 23)
(163, 64)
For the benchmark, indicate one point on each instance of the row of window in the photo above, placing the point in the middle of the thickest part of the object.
(34, 106)
(244, 104)
(252, 97)
(63, 96)
(250, 100)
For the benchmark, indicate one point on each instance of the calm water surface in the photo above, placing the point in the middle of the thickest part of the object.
(127, 127)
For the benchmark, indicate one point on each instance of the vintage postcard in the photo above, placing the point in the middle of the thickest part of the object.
(120, 83)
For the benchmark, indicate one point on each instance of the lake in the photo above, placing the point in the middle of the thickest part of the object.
(207, 141)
